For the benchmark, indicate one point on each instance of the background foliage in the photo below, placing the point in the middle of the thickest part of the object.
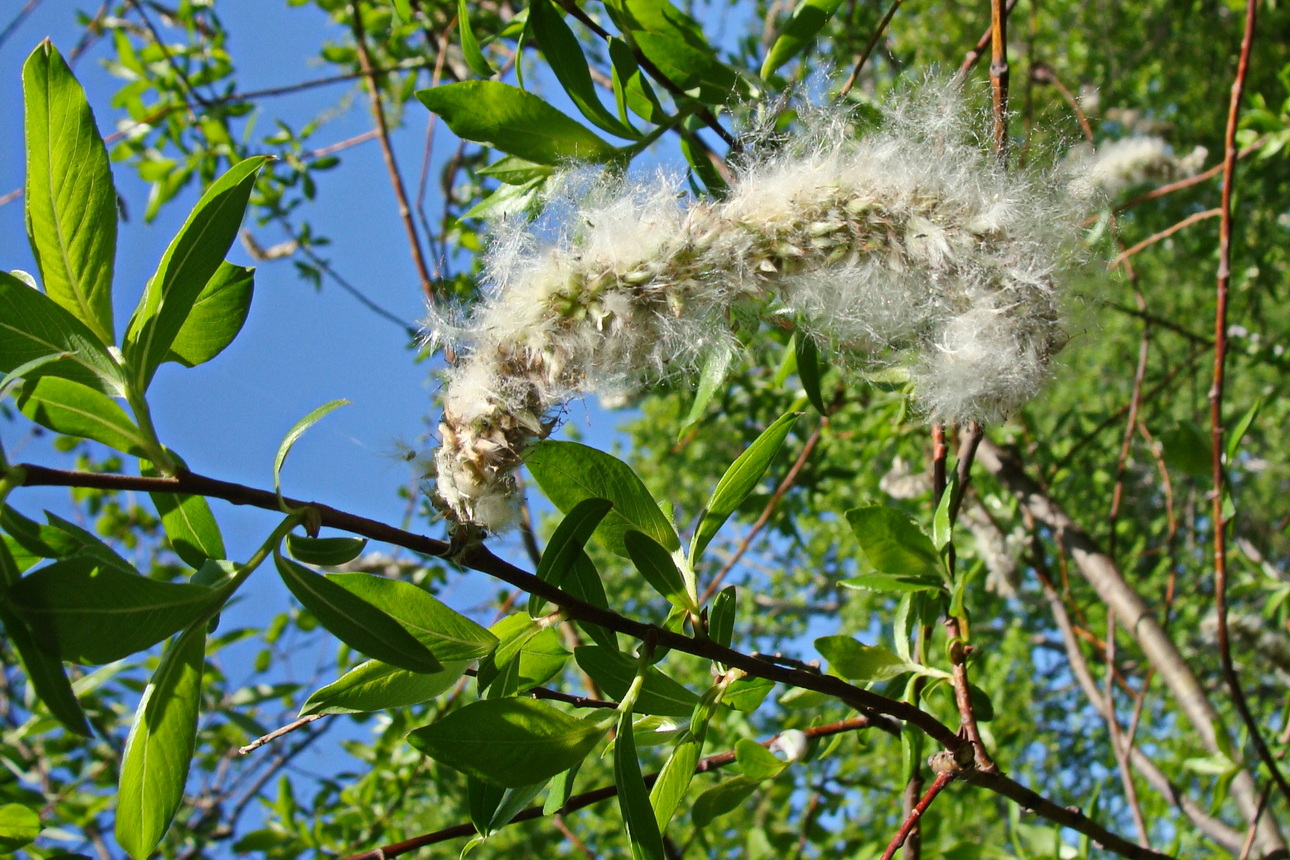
(1091, 504)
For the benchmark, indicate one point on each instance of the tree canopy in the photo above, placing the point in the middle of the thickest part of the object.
(935, 506)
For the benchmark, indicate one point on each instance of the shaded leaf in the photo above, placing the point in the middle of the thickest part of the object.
(722, 798)
(808, 369)
(446, 632)
(354, 621)
(528, 653)
(160, 746)
(633, 800)
(564, 55)
(566, 544)
(325, 551)
(798, 32)
(511, 742)
(614, 672)
(90, 612)
(47, 676)
(715, 368)
(191, 527)
(656, 565)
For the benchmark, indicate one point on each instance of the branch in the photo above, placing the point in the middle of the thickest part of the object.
(1107, 580)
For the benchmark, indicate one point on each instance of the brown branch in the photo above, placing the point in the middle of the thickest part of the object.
(1118, 744)
(910, 825)
(987, 38)
(999, 77)
(387, 151)
(1219, 519)
(277, 733)
(1171, 187)
(1114, 590)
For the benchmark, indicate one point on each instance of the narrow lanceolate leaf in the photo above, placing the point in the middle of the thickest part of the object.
(566, 545)
(87, 611)
(78, 410)
(565, 57)
(674, 780)
(724, 797)
(297, 430)
(808, 369)
(191, 527)
(327, 551)
(713, 374)
(46, 674)
(655, 563)
(862, 663)
(893, 543)
(33, 326)
(160, 746)
(354, 621)
(569, 472)
(194, 256)
(514, 121)
(377, 686)
(469, 44)
(216, 317)
(510, 742)
(798, 32)
(446, 632)
(633, 799)
(739, 480)
(71, 202)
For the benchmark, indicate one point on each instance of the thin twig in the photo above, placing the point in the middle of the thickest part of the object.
(1219, 519)
(868, 49)
(974, 56)
(387, 150)
(910, 825)
(1163, 234)
(1179, 185)
(277, 733)
(1118, 745)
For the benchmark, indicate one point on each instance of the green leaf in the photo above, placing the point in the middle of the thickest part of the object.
(354, 621)
(942, 527)
(1242, 427)
(715, 368)
(160, 746)
(721, 619)
(377, 686)
(71, 202)
(78, 410)
(1188, 450)
(449, 634)
(216, 317)
(19, 826)
(798, 32)
(569, 472)
(191, 527)
(90, 612)
(739, 480)
(59, 539)
(566, 544)
(756, 761)
(893, 543)
(511, 742)
(633, 800)
(33, 326)
(674, 780)
(565, 57)
(808, 369)
(469, 46)
(325, 551)
(632, 89)
(297, 430)
(528, 653)
(613, 672)
(190, 262)
(884, 582)
(514, 121)
(659, 569)
(862, 663)
(46, 674)
(583, 582)
(1212, 765)
(515, 171)
(746, 694)
(722, 798)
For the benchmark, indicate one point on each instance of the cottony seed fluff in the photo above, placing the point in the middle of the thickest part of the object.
(910, 245)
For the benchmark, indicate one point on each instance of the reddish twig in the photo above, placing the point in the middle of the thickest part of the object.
(1118, 744)
(863, 57)
(974, 56)
(1163, 234)
(910, 826)
(1216, 409)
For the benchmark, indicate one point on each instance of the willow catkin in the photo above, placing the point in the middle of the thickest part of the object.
(910, 245)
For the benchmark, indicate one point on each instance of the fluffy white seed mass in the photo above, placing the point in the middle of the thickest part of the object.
(909, 245)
